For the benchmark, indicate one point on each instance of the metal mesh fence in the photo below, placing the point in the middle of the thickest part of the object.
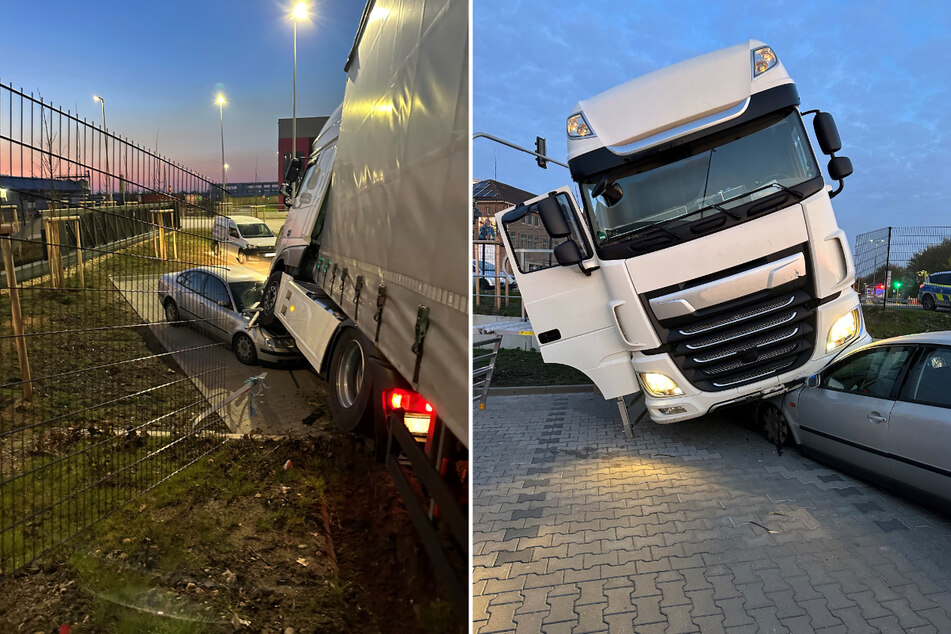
(101, 397)
(892, 262)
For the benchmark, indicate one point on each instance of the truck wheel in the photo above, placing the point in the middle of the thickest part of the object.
(928, 303)
(269, 302)
(351, 382)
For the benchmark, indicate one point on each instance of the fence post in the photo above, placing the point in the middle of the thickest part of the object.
(888, 252)
(16, 316)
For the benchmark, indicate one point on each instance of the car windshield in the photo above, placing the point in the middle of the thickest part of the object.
(246, 294)
(485, 267)
(256, 230)
(753, 162)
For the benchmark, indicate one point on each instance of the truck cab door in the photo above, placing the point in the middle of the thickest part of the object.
(303, 215)
(569, 306)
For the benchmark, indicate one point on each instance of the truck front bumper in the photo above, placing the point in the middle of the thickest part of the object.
(694, 403)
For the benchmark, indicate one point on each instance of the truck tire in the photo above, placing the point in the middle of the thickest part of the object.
(350, 380)
(269, 302)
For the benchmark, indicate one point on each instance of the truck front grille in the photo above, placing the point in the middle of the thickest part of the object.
(745, 340)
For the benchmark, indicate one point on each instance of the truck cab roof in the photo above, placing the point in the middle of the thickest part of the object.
(674, 101)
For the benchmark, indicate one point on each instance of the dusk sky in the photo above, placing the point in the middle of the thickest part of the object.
(159, 66)
(882, 69)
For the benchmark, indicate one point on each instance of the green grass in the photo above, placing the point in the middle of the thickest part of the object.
(516, 368)
(894, 321)
(193, 555)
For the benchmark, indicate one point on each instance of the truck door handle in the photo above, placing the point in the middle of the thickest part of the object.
(875, 417)
(617, 322)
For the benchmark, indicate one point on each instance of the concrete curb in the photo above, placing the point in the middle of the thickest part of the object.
(542, 389)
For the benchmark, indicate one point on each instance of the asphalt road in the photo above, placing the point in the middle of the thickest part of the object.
(691, 527)
(288, 399)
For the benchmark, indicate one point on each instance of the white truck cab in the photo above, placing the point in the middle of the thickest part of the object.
(704, 263)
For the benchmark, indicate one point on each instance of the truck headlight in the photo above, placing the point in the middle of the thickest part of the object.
(843, 330)
(578, 126)
(763, 59)
(658, 384)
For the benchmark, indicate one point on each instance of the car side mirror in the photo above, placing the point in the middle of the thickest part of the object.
(553, 218)
(827, 133)
(813, 381)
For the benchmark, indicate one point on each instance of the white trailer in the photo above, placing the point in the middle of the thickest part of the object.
(370, 274)
(705, 264)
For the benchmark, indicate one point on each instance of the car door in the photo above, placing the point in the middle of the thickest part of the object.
(187, 297)
(919, 433)
(570, 309)
(215, 317)
(846, 418)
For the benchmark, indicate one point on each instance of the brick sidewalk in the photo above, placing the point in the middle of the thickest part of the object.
(695, 526)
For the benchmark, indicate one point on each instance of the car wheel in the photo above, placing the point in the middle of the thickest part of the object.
(244, 350)
(928, 303)
(775, 425)
(484, 284)
(171, 313)
(351, 370)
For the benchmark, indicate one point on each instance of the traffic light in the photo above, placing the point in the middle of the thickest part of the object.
(896, 284)
(881, 287)
(540, 149)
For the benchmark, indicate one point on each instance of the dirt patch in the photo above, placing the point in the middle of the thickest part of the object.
(261, 536)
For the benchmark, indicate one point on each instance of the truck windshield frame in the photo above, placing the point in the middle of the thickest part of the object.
(672, 194)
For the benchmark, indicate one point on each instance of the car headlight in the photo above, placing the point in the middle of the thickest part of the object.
(843, 330)
(658, 384)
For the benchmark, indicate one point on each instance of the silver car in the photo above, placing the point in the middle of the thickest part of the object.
(883, 412)
(217, 301)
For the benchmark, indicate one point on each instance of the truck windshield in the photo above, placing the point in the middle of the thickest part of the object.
(714, 174)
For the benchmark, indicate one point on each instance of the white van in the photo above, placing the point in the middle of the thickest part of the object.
(242, 237)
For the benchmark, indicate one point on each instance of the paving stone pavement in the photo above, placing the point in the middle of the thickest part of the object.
(691, 527)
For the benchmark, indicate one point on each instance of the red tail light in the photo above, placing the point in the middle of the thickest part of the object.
(418, 414)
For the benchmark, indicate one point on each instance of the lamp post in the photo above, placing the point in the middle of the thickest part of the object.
(105, 140)
(300, 13)
(221, 118)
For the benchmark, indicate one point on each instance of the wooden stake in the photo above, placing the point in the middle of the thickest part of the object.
(79, 256)
(7, 247)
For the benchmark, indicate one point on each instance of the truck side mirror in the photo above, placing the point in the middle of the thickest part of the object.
(827, 133)
(553, 218)
(292, 171)
(567, 253)
(839, 167)
(813, 381)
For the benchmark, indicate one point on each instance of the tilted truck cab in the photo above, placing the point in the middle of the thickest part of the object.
(705, 264)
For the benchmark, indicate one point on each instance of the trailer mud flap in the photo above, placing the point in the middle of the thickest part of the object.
(452, 576)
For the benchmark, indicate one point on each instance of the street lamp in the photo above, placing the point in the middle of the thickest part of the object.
(105, 140)
(221, 118)
(300, 13)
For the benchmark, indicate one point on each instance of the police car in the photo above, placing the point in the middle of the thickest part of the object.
(936, 291)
